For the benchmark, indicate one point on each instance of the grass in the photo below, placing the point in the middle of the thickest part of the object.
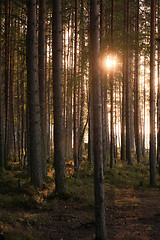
(136, 176)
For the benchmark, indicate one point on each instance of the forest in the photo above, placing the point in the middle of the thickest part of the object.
(79, 119)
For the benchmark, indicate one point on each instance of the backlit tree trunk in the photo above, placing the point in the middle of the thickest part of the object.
(57, 98)
(82, 102)
(75, 124)
(158, 97)
(97, 123)
(7, 29)
(41, 77)
(136, 117)
(123, 122)
(127, 76)
(111, 89)
(152, 153)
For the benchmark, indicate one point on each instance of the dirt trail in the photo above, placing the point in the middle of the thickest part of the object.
(130, 214)
(135, 216)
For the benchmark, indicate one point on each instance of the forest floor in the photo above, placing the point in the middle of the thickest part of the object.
(132, 206)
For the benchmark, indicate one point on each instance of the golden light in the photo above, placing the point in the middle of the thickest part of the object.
(110, 62)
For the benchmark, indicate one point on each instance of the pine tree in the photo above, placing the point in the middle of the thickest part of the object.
(58, 101)
(97, 123)
(152, 153)
(34, 131)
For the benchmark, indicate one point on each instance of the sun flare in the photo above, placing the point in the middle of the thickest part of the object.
(110, 62)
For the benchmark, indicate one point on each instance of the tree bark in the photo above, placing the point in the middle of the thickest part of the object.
(35, 146)
(111, 89)
(136, 118)
(127, 75)
(152, 153)
(41, 77)
(75, 124)
(123, 120)
(82, 102)
(57, 99)
(97, 123)
(158, 97)
(103, 81)
(7, 29)
(1, 108)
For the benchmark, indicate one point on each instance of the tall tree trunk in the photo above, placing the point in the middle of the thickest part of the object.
(97, 123)
(58, 100)
(144, 111)
(82, 102)
(11, 88)
(158, 97)
(136, 118)
(103, 79)
(90, 122)
(152, 153)
(41, 76)
(7, 24)
(127, 75)
(35, 145)
(1, 109)
(123, 122)
(49, 93)
(75, 124)
(111, 89)
(68, 131)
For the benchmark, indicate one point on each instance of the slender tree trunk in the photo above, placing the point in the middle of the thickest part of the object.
(136, 118)
(115, 124)
(103, 79)
(1, 109)
(111, 89)
(144, 111)
(49, 94)
(90, 121)
(82, 102)
(90, 114)
(97, 124)
(11, 89)
(58, 100)
(75, 124)
(152, 153)
(68, 132)
(128, 130)
(123, 122)
(158, 97)
(35, 145)
(7, 24)
(41, 76)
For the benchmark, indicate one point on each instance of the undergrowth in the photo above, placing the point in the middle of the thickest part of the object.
(21, 208)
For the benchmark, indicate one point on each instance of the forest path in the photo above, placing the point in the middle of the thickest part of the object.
(134, 215)
(130, 214)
